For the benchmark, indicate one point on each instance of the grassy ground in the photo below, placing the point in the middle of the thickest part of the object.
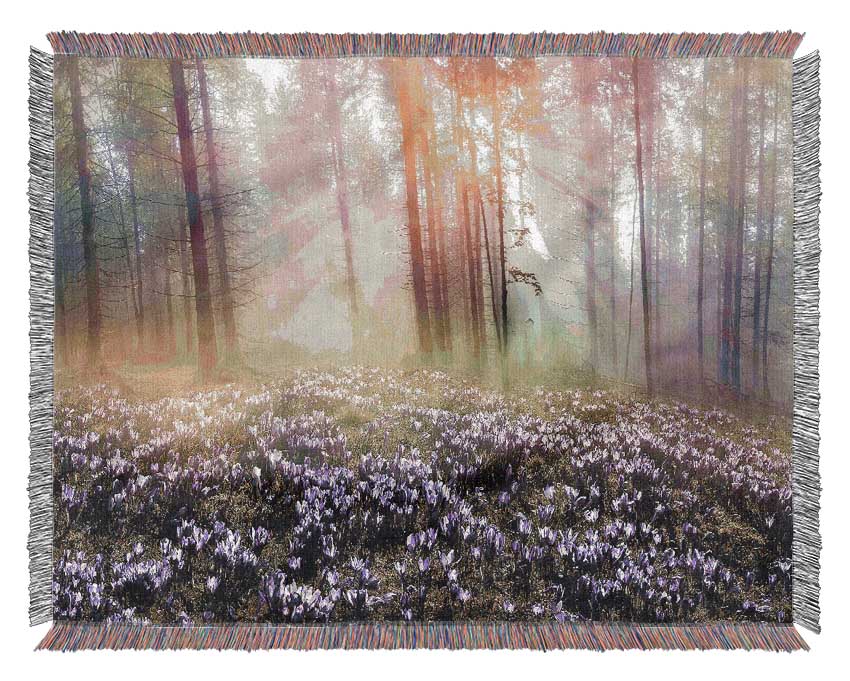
(541, 503)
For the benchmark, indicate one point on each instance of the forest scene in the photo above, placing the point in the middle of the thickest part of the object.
(422, 339)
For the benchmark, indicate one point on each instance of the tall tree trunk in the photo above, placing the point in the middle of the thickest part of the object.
(590, 281)
(612, 209)
(155, 256)
(444, 268)
(462, 215)
(433, 253)
(719, 245)
(186, 289)
(90, 266)
(758, 250)
(463, 283)
(499, 339)
(432, 163)
(203, 302)
(771, 221)
(727, 335)
(743, 150)
(701, 227)
(500, 204)
(660, 374)
(169, 302)
(647, 324)
(414, 229)
(221, 257)
(340, 173)
(475, 312)
(476, 242)
(137, 246)
(631, 289)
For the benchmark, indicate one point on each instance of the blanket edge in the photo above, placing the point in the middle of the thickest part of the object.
(781, 44)
(40, 192)
(805, 483)
(71, 636)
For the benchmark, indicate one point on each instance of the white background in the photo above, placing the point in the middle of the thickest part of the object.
(26, 23)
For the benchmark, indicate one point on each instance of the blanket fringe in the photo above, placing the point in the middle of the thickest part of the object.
(805, 484)
(70, 636)
(41, 334)
(312, 45)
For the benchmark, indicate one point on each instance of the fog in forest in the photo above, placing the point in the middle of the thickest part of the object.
(576, 221)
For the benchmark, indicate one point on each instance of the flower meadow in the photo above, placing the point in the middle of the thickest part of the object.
(367, 494)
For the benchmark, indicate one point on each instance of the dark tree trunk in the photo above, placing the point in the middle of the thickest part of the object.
(493, 306)
(719, 246)
(647, 325)
(137, 248)
(219, 237)
(476, 244)
(431, 164)
(470, 307)
(414, 229)
(434, 268)
(660, 374)
(500, 207)
(590, 281)
(771, 221)
(631, 290)
(203, 302)
(758, 250)
(743, 150)
(701, 227)
(612, 207)
(169, 303)
(441, 232)
(155, 256)
(90, 266)
(473, 284)
(727, 335)
(186, 289)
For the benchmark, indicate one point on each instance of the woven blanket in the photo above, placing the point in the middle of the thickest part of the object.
(444, 341)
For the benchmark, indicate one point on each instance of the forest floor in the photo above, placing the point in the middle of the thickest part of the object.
(357, 493)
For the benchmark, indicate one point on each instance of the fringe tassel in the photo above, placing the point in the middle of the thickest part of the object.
(70, 636)
(41, 335)
(806, 478)
(312, 45)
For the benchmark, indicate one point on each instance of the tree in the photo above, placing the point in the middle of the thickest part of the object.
(647, 324)
(340, 176)
(757, 247)
(500, 201)
(743, 151)
(93, 312)
(701, 225)
(727, 333)
(771, 221)
(431, 213)
(197, 238)
(414, 229)
(612, 209)
(137, 245)
(219, 237)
